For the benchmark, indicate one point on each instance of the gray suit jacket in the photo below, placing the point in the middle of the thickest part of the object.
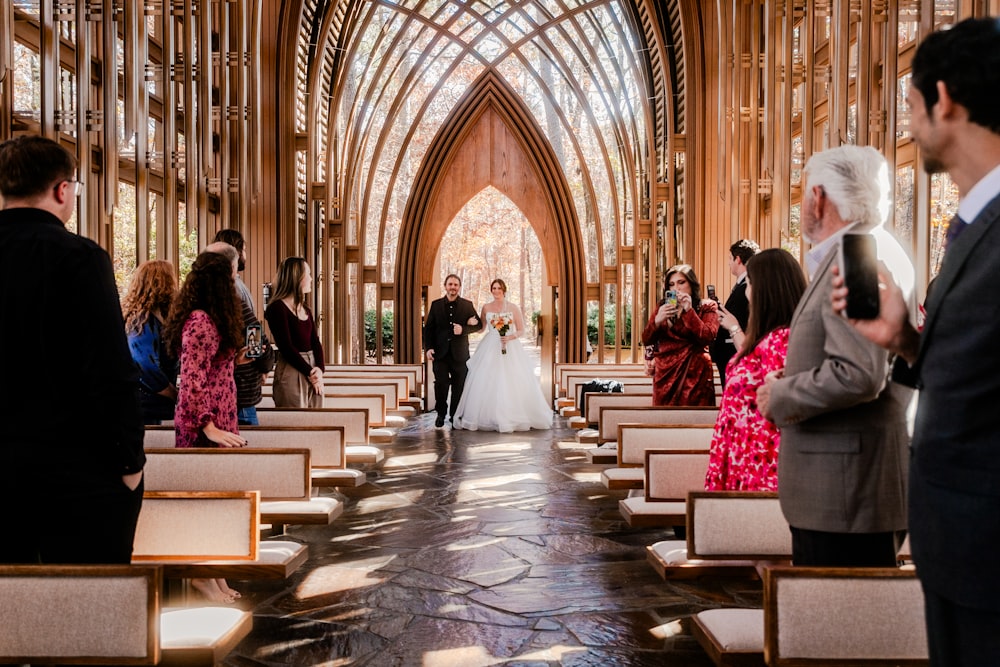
(844, 441)
(955, 509)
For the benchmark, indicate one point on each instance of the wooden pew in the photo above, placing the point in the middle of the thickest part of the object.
(562, 369)
(822, 616)
(374, 404)
(670, 475)
(354, 421)
(282, 475)
(634, 440)
(205, 534)
(592, 404)
(407, 382)
(415, 371)
(87, 614)
(574, 382)
(330, 455)
(610, 417)
(729, 533)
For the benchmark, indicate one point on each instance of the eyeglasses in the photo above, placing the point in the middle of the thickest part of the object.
(77, 186)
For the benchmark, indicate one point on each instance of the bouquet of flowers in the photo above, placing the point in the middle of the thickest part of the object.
(502, 323)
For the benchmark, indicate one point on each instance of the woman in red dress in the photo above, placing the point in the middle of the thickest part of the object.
(744, 450)
(679, 333)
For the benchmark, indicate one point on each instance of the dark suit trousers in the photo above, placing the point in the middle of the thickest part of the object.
(78, 521)
(822, 549)
(449, 373)
(960, 636)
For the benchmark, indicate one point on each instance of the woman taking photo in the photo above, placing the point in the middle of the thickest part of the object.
(145, 308)
(744, 449)
(205, 330)
(678, 334)
(298, 373)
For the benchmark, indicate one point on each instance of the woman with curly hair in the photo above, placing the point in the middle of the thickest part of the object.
(145, 308)
(205, 330)
(298, 373)
(679, 333)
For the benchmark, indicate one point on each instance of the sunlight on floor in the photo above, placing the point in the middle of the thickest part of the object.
(499, 480)
(478, 656)
(667, 630)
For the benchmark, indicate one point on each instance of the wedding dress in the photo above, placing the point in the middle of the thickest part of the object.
(501, 391)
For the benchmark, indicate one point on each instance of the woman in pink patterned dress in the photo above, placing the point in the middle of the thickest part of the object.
(744, 450)
(205, 331)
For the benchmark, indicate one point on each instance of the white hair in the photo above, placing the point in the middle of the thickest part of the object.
(856, 181)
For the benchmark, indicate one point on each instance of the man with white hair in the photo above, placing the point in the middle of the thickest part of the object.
(844, 442)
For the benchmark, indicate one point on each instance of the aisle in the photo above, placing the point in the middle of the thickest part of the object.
(474, 548)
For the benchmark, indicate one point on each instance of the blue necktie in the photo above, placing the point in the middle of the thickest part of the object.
(955, 227)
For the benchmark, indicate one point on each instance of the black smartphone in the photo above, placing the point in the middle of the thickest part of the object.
(255, 333)
(711, 293)
(859, 266)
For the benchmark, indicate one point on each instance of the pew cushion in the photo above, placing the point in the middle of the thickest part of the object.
(731, 636)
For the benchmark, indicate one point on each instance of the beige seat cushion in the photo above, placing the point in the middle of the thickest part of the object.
(734, 630)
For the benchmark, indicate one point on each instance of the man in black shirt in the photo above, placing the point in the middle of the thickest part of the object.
(723, 348)
(449, 322)
(70, 425)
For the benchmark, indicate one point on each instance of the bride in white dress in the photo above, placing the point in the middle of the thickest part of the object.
(501, 391)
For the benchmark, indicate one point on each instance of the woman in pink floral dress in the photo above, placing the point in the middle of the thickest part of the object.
(744, 450)
(205, 331)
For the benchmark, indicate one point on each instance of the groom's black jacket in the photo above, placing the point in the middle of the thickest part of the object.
(438, 333)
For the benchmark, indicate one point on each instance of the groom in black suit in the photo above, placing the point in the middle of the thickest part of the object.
(449, 322)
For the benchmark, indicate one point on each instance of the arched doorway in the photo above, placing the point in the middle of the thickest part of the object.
(491, 140)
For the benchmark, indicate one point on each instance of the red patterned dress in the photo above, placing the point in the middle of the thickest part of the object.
(744, 450)
(683, 371)
(206, 390)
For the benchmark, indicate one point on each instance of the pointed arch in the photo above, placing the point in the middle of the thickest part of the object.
(491, 139)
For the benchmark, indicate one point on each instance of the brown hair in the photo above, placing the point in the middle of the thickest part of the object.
(692, 278)
(501, 283)
(209, 287)
(777, 283)
(152, 290)
(289, 281)
(30, 165)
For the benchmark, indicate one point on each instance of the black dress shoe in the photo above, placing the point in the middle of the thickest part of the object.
(439, 422)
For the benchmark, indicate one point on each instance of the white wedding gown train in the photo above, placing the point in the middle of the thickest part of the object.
(501, 391)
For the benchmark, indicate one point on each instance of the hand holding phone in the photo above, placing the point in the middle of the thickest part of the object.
(859, 266)
(254, 346)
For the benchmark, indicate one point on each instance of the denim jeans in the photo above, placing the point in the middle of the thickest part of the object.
(247, 416)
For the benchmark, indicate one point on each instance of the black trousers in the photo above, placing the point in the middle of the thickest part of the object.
(78, 522)
(449, 373)
(822, 549)
(960, 636)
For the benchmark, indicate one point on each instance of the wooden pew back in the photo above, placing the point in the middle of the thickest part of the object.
(279, 474)
(610, 417)
(849, 616)
(673, 473)
(593, 402)
(353, 421)
(727, 525)
(595, 370)
(205, 525)
(76, 614)
(634, 440)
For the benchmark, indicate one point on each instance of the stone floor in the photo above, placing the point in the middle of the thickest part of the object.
(471, 549)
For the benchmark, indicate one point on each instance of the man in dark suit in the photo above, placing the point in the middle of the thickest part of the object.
(724, 348)
(70, 422)
(449, 322)
(954, 505)
(844, 439)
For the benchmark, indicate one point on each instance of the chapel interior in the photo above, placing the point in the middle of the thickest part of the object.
(575, 148)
